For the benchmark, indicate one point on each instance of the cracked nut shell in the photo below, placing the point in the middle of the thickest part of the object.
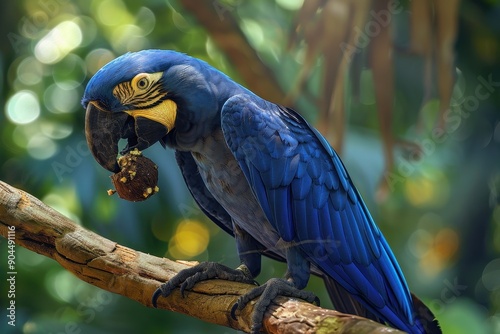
(138, 178)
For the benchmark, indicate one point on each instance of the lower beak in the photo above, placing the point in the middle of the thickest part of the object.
(142, 128)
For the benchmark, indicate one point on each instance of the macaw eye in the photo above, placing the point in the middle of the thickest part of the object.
(142, 83)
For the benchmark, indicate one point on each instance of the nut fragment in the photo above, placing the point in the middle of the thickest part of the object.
(137, 179)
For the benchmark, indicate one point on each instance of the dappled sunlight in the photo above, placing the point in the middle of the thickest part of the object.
(41, 147)
(128, 37)
(420, 242)
(97, 58)
(440, 252)
(434, 245)
(189, 240)
(120, 16)
(491, 275)
(64, 200)
(55, 130)
(435, 251)
(428, 190)
(23, 107)
(70, 72)
(290, 4)
(61, 100)
(62, 285)
(30, 71)
(254, 32)
(60, 41)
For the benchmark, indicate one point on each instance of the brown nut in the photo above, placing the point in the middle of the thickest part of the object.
(138, 178)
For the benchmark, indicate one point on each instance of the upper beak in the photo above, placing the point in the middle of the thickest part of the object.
(142, 128)
(103, 130)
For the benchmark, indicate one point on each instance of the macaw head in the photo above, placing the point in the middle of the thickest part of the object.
(147, 97)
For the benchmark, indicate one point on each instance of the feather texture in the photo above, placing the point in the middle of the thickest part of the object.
(318, 208)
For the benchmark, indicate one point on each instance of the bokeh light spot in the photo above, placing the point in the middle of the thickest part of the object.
(491, 275)
(190, 239)
(98, 58)
(61, 284)
(419, 191)
(290, 4)
(70, 72)
(60, 100)
(41, 147)
(56, 130)
(430, 189)
(19, 136)
(88, 27)
(419, 243)
(179, 21)
(128, 37)
(65, 202)
(117, 7)
(254, 31)
(30, 71)
(446, 244)
(146, 20)
(435, 251)
(29, 259)
(23, 107)
(61, 40)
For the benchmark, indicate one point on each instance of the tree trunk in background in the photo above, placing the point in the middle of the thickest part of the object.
(220, 24)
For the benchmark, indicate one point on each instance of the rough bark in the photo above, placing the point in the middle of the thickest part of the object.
(136, 275)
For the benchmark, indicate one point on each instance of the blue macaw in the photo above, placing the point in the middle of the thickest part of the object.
(261, 173)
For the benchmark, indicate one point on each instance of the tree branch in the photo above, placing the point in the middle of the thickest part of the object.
(136, 275)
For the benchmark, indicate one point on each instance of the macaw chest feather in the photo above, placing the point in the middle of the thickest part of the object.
(225, 180)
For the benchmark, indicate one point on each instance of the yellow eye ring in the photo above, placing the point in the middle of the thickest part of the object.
(142, 84)
(141, 81)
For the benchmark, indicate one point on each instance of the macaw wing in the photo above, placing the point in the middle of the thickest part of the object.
(205, 200)
(308, 197)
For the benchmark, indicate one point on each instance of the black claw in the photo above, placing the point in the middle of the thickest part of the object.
(187, 278)
(268, 292)
(233, 311)
(155, 297)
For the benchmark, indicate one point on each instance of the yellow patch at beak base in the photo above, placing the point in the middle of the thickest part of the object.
(164, 113)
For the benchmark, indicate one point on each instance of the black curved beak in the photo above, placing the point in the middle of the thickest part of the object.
(104, 129)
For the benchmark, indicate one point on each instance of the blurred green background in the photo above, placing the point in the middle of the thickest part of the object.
(442, 215)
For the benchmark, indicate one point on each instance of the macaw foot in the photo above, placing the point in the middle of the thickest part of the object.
(268, 292)
(187, 278)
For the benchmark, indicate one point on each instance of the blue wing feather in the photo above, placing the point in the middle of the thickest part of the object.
(301, 187)
(280, 199)
(312, 228)
(291, 167)
(309, 198)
